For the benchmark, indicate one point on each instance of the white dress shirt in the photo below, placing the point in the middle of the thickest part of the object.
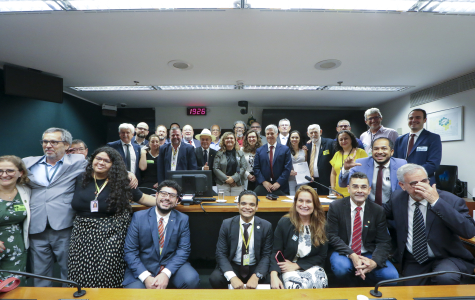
(237, 256)
(417, 134)
(133, 159)
(353, 214)
(174, 158)
(386, 182)
(283, 139)
(410, 221)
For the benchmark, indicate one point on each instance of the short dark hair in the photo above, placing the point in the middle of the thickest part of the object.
(171, 184)
(175, 124)
(391, 143)
(359, 175)
(424, 113)
(354, 142)
(78, 141)
(248, 192)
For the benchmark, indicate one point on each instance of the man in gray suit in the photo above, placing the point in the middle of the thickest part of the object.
(52, 180)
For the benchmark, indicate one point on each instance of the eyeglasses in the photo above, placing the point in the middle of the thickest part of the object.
(72, 150)
(255, 127)
(413, 183)
(53, 143)
(373, 118)
(105, 160)
(141, 128)
(343, 126)
(167, 194)
(9, 172)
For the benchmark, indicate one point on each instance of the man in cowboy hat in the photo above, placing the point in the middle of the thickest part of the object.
(204, 154)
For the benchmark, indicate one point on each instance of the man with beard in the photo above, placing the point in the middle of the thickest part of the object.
(284, 129)
(188, 134)
(381, 169)
(141, 132)
(257, 127)
(162, 135)
(373, 118)
(157, 245)
(239, 129)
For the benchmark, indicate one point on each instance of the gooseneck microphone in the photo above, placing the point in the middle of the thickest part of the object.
(329, 188)
(78, 293)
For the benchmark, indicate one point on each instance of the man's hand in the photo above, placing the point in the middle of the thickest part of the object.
(236, 283)
(252, 282)
(304, 147)
(288, 266)
(133, 180)
(293, 173)
(428, 192)
(350, 162)
(155, 186)
(161, 281)
(149, 282)
(268, 186)
(275, 282)
(275, 186)
(367, 266)
(357, 263)
(206, 167)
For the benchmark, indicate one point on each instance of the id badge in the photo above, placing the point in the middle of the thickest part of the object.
(245, 259)
(94, 205)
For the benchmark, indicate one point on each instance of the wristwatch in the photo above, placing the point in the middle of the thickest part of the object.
(259, 275)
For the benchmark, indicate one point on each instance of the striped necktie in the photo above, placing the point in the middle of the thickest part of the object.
(419, 239)
(356, 238)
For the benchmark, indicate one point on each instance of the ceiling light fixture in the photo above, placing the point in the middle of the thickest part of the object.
(367, 5)
(180, 65)
(194, 87)
(112, 88)
(328, 64)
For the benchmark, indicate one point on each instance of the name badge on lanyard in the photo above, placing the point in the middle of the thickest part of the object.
(95, 202)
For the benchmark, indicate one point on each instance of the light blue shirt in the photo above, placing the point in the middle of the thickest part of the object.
(215, 145)
(39, 171)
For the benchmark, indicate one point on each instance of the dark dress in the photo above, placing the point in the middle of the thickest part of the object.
(96, 251)
(149, 176)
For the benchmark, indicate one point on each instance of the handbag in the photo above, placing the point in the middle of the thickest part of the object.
(3, 284)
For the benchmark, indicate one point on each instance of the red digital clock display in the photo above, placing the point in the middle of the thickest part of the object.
(196, 111)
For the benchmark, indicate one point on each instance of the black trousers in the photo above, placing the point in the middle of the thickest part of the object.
(260, 190)
(320, 189)
(218, 281)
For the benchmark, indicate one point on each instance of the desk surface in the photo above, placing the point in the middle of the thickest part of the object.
(341, 293)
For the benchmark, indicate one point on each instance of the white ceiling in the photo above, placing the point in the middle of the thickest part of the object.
(257, 47)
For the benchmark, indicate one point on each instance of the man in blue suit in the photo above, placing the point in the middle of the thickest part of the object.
(420, 146)
(130, 152)
(175, 155)
(273, 178)
(157, 245)
(382, 150)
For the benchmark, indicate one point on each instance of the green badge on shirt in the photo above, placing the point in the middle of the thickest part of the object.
(19, 207)
(150, 161)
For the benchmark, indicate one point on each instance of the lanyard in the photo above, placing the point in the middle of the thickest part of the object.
(249, 240)
(98, 191)
(55, 167)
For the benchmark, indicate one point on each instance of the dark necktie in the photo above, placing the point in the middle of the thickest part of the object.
(411, 145)
(244, 270)
(271, 158)
(378, 197)
(205, 157)
(128, 161)
(419, 239)
(356, 238)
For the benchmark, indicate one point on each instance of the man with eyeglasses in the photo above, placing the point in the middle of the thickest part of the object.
(52, 181)
(429, 223)
(157, 245)
(78, 147)
(141, 132)
(345, 125)
(257, 127)
(216, 132)
(373, 118)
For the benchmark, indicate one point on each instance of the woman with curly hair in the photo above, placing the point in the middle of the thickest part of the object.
(252, 141)
(103, 213)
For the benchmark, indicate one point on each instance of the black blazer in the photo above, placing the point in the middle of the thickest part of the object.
(283, 241)
(199, 160)
(375, 236)
(186, 160)
(445, 222)
(327, 150)
(229, 238)
(117, 145)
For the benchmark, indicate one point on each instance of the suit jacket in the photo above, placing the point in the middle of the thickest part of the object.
(284, 242)
(200, 162)
(375, 236)
(25, 194)
(282, 166)
(221, 163)
(229, 238)
(427, 151)
(326, 153)
(195, 141)
(53, 202)
(142, 247)
(117, 145)
(146, 142)
(367, 167)
(186, 160)
(445, 222)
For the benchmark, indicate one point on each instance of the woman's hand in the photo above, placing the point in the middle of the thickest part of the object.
(230, 180)
(293, 173)
(2, 246)
(251, 177)
(275, 282)
(288, 266)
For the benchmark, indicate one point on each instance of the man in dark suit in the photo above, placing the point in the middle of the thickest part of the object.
(272, 166)
(429, 223)
(243, 261)
(188, 134)
(380, 163)
(420, 146)
(175, 156)
(320, 152)
(157, 245)
(357, 231)
(130, 152)
(204, 154)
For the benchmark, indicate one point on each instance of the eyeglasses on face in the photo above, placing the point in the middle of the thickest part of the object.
(9, 172)
(141, 128)
(53, 143)
(374, 118)
(167, 194)
(105, 160)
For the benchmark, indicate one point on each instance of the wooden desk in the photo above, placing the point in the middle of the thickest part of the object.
(400, 293)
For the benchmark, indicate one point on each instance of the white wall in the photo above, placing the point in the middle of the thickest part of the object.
(460, 153)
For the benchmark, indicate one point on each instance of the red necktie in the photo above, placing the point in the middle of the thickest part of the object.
(378, 198)
(271, 158)
(411, 145)
(191, 143)
(356, 238)
(161, 233)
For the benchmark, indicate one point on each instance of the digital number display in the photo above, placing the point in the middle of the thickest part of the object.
(196, 111)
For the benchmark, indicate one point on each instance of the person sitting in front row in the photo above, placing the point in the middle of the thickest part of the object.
(157, 245)
(300, 237)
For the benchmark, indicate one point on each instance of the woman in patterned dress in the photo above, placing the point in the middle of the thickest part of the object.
(103, 213)
(14, 216)
(252, 141)
(300, 237)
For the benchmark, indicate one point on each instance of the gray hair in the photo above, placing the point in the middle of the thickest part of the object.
(127, 126)
(215, 125)
(240, 122)
(313, 126)
(272, 127)
(371, 111)
(78, 141)
(409, 169)
(65, 135)
(284, 120)
(349, 124)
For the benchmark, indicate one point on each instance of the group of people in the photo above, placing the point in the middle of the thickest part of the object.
(76, 211)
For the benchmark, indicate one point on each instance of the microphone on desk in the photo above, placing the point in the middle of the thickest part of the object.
(78, 293)
(377, 293)
(329, 188)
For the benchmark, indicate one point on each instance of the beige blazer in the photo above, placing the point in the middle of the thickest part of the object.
(25, 193)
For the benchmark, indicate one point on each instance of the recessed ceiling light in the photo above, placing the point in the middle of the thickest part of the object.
(328, 64)
(112, 88)
(180, 65)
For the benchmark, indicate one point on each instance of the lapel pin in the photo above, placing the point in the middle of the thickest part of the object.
(258, 227)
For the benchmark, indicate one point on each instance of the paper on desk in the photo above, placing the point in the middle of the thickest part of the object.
(302, 171)
(259, 287)
(289, 199)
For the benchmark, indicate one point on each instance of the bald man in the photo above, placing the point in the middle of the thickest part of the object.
(141, 132)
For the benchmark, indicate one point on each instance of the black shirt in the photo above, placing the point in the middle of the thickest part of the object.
(232, 163)
(150, 175)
